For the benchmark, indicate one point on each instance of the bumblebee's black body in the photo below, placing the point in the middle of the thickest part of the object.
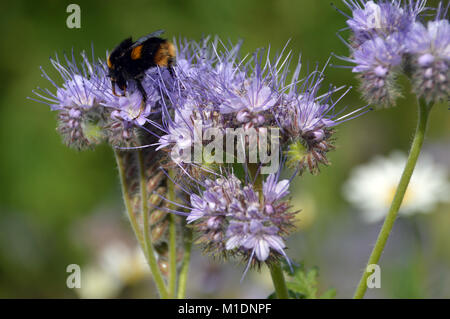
(129, 60)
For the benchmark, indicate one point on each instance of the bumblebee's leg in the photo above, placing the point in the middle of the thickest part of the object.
(113, 85)
(170, 68)
(144, 96)
(124, 90)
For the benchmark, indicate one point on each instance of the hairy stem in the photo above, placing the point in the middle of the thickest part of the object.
(150, 253)
(127, 200)
(278, 281)
(182, 280)
(172, 241)
(416, 146)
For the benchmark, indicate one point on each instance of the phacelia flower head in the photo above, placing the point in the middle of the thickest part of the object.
(235, 219)
(214, 89)
(430, 50)
(76, 100)
(90, 113)
(128, 114)
(389, 37)
(307, 121)
(254, 99)
(131, 109)
(187, 114)
(254, 92)
(377, 63)
(370, 19)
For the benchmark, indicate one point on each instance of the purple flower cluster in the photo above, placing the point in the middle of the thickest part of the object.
(430, 50)
(88, 112)
(76, 101)
(216, 88)
(370, 20)
(308, 120)
(235, 219)
(211, 86)
(388, 37)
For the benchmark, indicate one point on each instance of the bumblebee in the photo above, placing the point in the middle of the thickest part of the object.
(129, 61)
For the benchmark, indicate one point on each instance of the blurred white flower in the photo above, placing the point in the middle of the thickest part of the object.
(98, 284)
(371, 187)
(117, 266)
(125, 263)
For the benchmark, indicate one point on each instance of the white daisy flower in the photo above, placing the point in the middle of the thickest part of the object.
(117, 266)
(371, 187)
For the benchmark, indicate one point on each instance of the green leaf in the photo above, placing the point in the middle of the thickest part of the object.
(303, 283)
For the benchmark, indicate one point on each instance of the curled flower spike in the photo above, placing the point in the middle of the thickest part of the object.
(125, 116)
(254, 91)
(430, 50)
(76, 101)
(128, 108)
(370, 20)
(186, 119)
(235, 219)
(387, 35)
(89, 113)
(255, 98)
(214, 92)
(307, 123)
(376, 62)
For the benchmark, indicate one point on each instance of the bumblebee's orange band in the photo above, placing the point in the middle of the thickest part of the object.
(136, 52)
(109, 63)
(165, 54)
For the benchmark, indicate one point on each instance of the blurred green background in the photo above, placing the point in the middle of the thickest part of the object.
(58, 206)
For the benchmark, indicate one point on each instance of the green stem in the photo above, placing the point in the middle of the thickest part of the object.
(182, 280)
(424, 110)
(278, 281)
(172, 241)
(150, 253)
(127, 200)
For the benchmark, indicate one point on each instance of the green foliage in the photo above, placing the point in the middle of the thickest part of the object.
(303, 283)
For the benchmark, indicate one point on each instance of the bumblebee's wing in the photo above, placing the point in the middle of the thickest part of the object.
(146, 37)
